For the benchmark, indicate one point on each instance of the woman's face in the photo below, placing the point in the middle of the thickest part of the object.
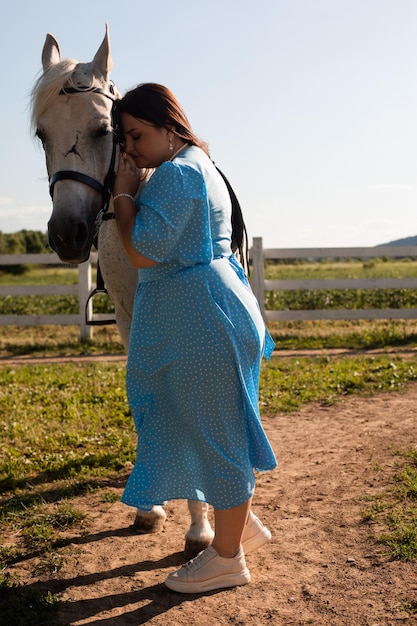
(146, 144)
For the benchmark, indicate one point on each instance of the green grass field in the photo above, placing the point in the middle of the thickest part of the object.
(302, 299)
(66, 428)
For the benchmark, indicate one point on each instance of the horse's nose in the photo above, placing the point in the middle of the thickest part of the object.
(81, 235)
(71, 241)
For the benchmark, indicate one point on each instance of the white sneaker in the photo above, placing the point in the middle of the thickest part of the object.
(209, 571)
(255, 534)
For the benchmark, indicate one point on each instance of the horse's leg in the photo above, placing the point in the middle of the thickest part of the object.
(200, 533)
(121, 279)
(149, 521)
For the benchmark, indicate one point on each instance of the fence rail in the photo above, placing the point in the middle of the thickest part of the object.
(260, 285)
(82, 290)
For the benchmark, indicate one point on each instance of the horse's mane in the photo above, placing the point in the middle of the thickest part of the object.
(50, 84)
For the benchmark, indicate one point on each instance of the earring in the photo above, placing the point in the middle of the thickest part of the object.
(171, 147)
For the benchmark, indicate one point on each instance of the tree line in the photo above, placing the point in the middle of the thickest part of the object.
(24, 242)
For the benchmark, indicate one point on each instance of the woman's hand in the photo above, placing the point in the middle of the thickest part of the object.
(128, 176)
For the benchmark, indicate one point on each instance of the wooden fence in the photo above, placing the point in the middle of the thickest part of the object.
(259, 284)
(82, 290)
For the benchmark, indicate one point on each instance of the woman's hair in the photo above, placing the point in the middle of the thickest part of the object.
(157, 105)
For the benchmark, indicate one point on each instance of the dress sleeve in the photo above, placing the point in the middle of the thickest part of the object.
(173, 219)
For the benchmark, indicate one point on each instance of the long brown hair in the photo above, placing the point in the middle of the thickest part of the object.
(157, 105)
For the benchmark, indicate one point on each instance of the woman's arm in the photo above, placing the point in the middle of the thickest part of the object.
(127, 182)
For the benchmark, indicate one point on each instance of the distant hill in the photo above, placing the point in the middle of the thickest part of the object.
(406, 241)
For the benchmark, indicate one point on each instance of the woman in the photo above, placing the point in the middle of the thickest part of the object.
(196, 340)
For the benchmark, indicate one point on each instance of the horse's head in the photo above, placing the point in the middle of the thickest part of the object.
(72, 114)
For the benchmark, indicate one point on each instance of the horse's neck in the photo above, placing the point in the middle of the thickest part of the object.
(120, 277)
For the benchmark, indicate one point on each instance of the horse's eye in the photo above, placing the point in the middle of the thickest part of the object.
(41, 136)
(103, 131)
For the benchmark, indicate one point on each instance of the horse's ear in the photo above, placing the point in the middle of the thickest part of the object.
(50, 53)
(102, 60)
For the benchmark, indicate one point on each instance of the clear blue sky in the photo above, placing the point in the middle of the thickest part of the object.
(309, 106)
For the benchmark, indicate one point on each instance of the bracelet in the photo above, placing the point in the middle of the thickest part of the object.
(123, 195)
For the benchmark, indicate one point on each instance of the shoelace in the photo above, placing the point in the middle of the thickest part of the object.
(200, 559)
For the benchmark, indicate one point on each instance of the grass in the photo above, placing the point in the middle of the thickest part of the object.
(396, 510)
(357, 335)
(341, 298)
(70, 421)
(348, 335)
(321, 299)
(66, 430)
(370, 268)
(38, 341)
(21, 607)
(41, 275)
(288, 384)
(63, 341)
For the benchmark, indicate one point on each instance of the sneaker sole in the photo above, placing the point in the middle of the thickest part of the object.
(257, 541)
(220, 582)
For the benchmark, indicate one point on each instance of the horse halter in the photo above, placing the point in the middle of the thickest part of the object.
(105, 188)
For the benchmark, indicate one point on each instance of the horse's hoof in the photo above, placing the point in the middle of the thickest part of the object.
(149, 521)
(192, 548)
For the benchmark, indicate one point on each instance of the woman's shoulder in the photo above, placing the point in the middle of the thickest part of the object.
(196, 162)
(181, 176)
(192, 163)
(193, 156)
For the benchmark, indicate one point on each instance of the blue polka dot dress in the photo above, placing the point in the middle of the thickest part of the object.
(196, 342)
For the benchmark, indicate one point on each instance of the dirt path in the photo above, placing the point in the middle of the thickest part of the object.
(25, 359)
(321, 567)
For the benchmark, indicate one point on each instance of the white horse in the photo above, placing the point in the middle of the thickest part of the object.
(73, 114)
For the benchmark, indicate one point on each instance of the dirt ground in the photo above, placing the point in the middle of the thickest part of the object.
(322, 567)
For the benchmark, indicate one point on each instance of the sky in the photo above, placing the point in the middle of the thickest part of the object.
(309, 106)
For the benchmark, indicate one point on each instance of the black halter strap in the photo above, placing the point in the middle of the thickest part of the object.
(78, 176)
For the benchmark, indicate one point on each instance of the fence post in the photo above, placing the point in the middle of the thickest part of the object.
(257, 281)
(84, 290)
